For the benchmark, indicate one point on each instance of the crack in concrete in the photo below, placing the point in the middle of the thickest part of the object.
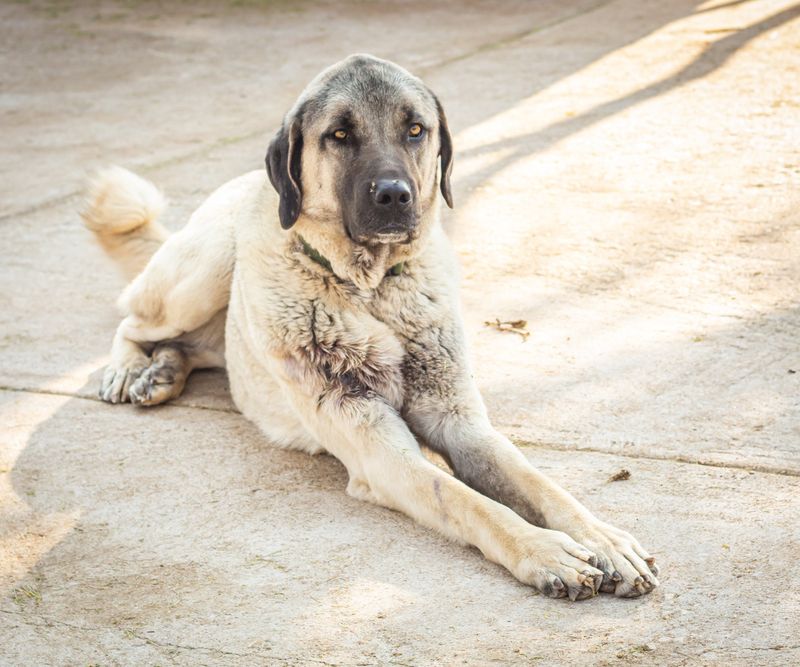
(96, 399)
(678, 458)
(519, 442)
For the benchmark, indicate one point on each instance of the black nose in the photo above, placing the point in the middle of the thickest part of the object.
(392, 193)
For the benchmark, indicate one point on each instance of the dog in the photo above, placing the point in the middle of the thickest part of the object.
(328, 290)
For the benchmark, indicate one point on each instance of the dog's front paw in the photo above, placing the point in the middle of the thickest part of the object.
(117, 381)
(557, 566)
(628, 570)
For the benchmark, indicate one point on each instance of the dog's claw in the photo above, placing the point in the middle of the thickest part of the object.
(651, 563)
(628, 570)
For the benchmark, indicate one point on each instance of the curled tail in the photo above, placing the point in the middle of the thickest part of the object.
(121, 209)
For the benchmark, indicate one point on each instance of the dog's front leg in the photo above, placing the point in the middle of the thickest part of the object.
(386, 466)
(488, 462)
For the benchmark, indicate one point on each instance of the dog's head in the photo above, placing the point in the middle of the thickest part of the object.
(360, 150)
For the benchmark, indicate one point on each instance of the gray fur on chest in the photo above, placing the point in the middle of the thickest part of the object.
(397, 341)
(429, 332)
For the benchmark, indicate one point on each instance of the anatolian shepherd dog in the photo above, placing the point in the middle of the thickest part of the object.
(329, 293)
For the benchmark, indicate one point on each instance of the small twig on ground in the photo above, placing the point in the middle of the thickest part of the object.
(519, 327)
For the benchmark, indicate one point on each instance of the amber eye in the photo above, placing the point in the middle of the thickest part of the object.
(341, 135)
(415, 130)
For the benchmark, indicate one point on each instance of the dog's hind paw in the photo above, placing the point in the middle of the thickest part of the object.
(116, 384)
(162, 380)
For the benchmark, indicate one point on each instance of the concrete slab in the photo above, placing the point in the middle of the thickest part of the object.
(658, 277)
(643, 217)
(626, 181)
(178, 536)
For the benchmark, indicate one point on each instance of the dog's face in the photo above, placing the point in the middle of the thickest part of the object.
(360, 149)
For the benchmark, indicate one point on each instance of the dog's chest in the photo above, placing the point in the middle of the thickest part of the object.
(344, 349)
(394, 341)
(424, 323)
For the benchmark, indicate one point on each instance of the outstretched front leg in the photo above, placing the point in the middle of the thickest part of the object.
(446, 411)
(340, 373)
(175, 308)
(386, 467)
(489, 463)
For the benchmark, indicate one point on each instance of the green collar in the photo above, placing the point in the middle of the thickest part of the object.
(315, 255)
(324, 262)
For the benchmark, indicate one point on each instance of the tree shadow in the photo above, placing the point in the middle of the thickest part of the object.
(713, 57)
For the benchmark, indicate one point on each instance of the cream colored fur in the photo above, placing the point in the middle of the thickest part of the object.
(366, 367)
(122, 210)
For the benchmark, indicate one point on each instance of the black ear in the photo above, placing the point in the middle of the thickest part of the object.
(283, 168)
(446, 152)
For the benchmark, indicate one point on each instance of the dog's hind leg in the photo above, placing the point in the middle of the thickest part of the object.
(171, 362)
(150, 360)
(131, 351)
(180, 297)
(128, 361)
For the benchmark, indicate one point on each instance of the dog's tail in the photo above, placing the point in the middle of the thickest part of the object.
(121, 209)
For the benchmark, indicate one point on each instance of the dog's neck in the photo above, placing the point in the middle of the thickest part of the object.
(324, 262)
(364, 266)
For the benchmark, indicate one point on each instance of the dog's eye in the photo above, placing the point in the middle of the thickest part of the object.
(415, 131)
(340, 135)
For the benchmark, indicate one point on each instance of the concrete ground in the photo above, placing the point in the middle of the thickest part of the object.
(627, 181)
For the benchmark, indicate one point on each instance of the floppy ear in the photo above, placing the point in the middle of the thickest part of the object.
(283, 168)
(446, 153)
